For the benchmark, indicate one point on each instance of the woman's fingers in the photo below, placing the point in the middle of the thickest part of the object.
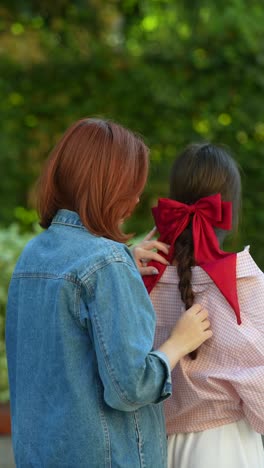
(208, 334)
(206, 324)
(147, 256)
(145, 270)
(195, 309)
(161, 246)
(150, 243)
(154, 244)
(191, 330)
(147, 251)
(201, 312)
(150, 234)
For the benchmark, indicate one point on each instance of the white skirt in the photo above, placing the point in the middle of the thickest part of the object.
(234, 445)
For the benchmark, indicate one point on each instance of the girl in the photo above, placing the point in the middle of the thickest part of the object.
(217, 409)
(85, 382)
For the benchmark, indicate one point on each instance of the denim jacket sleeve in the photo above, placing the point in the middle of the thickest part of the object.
(123, 326)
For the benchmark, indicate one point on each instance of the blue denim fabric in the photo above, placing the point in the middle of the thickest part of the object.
(85, 384)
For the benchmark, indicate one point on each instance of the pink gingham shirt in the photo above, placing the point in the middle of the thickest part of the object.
(226, 381)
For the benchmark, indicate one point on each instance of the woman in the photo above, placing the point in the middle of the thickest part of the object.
(85, 382)
(216, 413)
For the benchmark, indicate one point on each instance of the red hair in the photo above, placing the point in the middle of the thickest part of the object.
(97, 169)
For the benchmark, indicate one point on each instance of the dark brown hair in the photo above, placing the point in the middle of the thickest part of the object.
(97, 169)
(201, 170)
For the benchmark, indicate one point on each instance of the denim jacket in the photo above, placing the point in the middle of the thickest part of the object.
(85, 384)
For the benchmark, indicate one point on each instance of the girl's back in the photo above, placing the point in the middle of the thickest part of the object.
(226, 380)
(216, 410)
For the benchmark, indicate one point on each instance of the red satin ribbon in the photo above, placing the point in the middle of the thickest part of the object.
(172, 217)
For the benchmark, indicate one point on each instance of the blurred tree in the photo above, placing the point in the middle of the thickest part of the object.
(173, 71)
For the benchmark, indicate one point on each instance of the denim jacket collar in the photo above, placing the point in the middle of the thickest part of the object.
(67, 217)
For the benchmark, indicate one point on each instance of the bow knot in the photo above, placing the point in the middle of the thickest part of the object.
(192, 209)
(172, 218)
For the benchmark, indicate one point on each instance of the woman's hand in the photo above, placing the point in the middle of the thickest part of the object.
(146, 251)
(189, 332)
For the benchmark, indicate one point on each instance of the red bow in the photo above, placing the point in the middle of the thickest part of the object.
(172, 217)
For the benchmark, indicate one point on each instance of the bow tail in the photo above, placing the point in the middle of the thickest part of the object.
(218, 271)
(219, 265)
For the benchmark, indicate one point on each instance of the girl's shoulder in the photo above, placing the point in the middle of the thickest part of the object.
(246, 265)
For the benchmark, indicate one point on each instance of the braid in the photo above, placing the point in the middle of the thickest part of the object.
(183, 254)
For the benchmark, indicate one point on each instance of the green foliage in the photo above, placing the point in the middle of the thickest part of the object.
(173, 71)
(27, 219)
